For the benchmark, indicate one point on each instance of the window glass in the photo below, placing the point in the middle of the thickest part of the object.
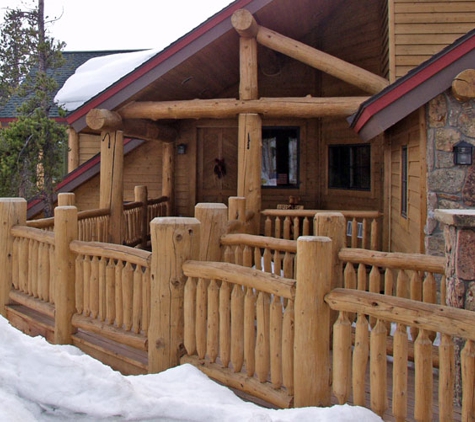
(349, 167)
(280, 157)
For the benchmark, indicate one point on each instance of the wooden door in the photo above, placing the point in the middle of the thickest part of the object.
(217, 164)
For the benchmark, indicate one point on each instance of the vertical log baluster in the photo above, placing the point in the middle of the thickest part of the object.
(378, 369)
(342, 358)
(94, 286)
(102, 262)
(137, 300)
(225, 323)
(287, 225)
(423, 377)
(446, 377)
(237, 328)
(250, 331)
(128, 294)
(201, 314)
(79, 286)
(110, 292)
(189, 310)
(247, 257)
(146, 302)
(400, 373)
(468, 375)
(360, 360)
(119, 300)
(276, 313)
(263, 333)
(212, 339)
(415, 294)
(288, 335)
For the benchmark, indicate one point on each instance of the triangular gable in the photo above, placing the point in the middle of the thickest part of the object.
(415, 89)
(162, 62)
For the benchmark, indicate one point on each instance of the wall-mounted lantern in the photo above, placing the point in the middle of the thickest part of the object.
(181, 149)
(463, 153)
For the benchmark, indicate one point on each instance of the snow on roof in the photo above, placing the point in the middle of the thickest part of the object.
(96, 75)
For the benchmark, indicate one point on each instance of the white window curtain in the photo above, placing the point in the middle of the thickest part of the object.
(269, 163)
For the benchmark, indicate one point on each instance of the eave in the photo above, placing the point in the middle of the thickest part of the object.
(413, 90)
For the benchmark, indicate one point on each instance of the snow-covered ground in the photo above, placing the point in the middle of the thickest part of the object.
(43, 382)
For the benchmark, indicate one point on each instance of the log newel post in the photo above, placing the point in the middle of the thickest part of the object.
(66, 198)
(213, 219)
(12, 213)
(65, 230)
(111, 184)
(141, 195)
(459, 235)
(312, 322)
(174, 241)
(332, 225)
(237, 214)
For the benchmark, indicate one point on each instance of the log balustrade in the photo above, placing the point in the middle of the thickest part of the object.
(253, 330)
(363, 229)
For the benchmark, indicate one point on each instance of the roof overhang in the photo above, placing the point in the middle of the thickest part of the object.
(415, 89)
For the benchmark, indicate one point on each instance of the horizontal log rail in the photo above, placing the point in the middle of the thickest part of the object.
(426, 316)
(41, 223)
(414, 262)
(282, 245)
(33, 234)
(247, 277)
(224, 108)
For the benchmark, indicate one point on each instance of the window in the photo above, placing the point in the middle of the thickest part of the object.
(280, 156)
(404, 196)
(349, 167)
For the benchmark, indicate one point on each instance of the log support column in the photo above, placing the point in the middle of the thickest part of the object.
(73, 144)
(12, 213)
(111, 185)
(168, 170)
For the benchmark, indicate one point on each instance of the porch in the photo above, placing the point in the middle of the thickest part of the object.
(244, 310)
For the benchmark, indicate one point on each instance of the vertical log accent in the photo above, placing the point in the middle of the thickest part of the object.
(168, 171)
(12, 212)
(66, 230)
(174, 241)
(141, 195)
(111, 185)
(213, 219)
(312, 322)
(73, 144)
(249, 165)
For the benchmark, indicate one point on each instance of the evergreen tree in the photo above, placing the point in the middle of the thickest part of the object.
(31, 148)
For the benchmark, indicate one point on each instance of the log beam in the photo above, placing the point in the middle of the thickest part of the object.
(100, 119)
(246, 26)
(306, 107)
(463, 85)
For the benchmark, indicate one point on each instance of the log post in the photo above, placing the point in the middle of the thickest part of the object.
(73, 154)
(332, 225)
(213, 219)
(12, 213)
(249, 165)
(141, 195)
(312, 322)
(168, 171)
(111, 185)
(174, 241)
(237, 214)
(65, 199)
(66, 230)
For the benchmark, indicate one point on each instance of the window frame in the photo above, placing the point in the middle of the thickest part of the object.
(404, 181)
(351, 185)
(297, 131)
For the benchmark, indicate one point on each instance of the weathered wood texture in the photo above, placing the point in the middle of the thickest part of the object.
(403, 228)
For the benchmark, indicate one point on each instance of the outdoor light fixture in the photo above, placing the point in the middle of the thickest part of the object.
(463, 153)
(181, 149)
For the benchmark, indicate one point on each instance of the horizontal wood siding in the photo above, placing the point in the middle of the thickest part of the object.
(423, 28)
(405, 234)
(143, 166)
(89, 146)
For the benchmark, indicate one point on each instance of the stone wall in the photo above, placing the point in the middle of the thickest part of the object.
(449, 186)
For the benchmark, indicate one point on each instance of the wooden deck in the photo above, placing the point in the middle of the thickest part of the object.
(131, 361)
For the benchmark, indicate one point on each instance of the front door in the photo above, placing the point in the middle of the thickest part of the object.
(217, 164)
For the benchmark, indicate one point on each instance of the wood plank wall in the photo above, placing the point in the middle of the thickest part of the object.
(401, 236)
(422, 28)
(89, 146)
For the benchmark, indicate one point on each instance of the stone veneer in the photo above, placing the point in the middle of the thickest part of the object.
(449, 186)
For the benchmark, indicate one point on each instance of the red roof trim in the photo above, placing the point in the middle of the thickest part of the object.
(158, 59)
(412, 82)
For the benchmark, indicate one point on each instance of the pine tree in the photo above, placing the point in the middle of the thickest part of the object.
(31, 148)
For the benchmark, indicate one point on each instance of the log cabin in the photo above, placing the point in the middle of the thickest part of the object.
(266, 100)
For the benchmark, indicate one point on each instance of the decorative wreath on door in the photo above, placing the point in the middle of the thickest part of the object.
(219, 167)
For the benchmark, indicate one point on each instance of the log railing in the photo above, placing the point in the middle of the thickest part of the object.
(33, 268)
(239, 328)
(349, 376)
(93, 225)
(362, 227)
(268, 254)
(112, 291)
